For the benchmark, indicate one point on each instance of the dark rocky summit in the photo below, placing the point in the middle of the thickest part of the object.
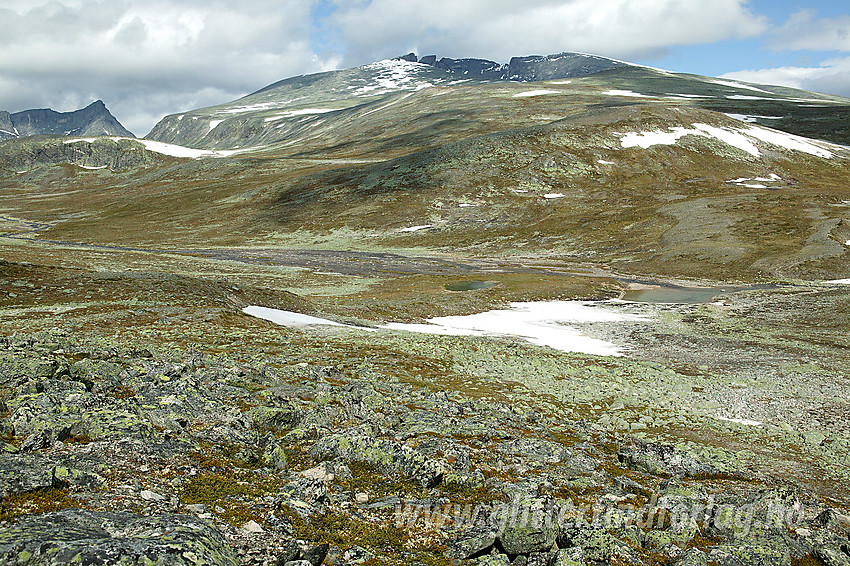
(525, 69)
(93, 120)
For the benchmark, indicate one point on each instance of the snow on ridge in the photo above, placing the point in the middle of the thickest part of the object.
(535, 93)
(392, 75)
(414, 228)
(742, 138)
(300, 112)
(751, 118)
(734, 84)
(615, 92)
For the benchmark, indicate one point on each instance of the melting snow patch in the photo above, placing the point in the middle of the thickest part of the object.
(789, 141)
(751, 118)
(465, 205)
(678, 95)
(541, 323)
(742, 139)
(740, 421)
(748, 182)
(658, 137)
(288, 318)
(553, 195)
(603, 162)
(625, 93)
(535, 93)
(840, 281)
(559, 82)
(92, 168)
(392, 75)
(733, 84)
(415, 228)
(214, 123)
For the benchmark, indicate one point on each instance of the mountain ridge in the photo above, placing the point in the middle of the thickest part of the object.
(287, 109)
(93, 120)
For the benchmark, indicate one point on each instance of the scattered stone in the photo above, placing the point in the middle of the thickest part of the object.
(253, 527)
(149, 495)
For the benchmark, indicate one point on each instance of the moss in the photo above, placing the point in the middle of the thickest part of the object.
(233, 495)
(366, 477)
(37, 501)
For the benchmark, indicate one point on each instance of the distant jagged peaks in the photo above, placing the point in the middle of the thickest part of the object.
(525, 69)
(93, 120)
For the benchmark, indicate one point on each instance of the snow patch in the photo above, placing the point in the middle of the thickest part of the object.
(740, 138)
(603, 162)
(790, 141)
(679, 95)
(392, 75)
(752, 118)
(648, 139)
(214, 123)
(734, 139)
(541, 323)
(535, 93)
(171, 149)
(415, 228)
(840, 281)
(90, 168)
(288, 318)
(734, 84)
(625, 93)
(553, 195)
(740, 421)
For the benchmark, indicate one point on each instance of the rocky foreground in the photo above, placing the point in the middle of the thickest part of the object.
(114, 454)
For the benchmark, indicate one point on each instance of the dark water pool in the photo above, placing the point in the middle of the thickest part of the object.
(470, 285)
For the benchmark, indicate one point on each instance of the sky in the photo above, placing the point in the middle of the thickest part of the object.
(149, 58)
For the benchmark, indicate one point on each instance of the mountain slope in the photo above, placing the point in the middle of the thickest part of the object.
(293, 107)
(93, 120)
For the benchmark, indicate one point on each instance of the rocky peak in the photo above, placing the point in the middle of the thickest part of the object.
(93, 120)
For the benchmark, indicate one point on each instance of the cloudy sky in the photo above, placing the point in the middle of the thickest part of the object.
(149, 58)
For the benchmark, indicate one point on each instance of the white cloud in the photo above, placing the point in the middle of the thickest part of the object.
(626, 29)
(803, 31)
(831, 76)
(149, 58)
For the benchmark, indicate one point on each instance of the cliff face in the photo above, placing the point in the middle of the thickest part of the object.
(93, 120)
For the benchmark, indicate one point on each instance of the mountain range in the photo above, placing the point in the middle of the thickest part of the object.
(641, 169)
(93, 120)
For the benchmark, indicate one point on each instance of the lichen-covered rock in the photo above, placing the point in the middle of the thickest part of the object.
(88, 537)
(274, 456)
(693, 557)
(474, 542)
(656, 458)
(19, 474)
(493, 560)
(386, 455)
(569, 557)
(528, 525)
(597, 544)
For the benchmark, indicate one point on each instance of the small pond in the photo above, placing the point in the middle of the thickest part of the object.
(470, 285)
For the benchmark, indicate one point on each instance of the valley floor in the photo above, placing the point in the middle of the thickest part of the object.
(133, 383)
